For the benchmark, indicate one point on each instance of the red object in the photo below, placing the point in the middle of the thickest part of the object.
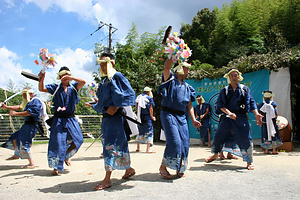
(36, 62)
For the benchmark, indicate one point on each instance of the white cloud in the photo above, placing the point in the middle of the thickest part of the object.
(80, 62)
(149, 16)
(20, 29)
(10, 68)
(82, 7)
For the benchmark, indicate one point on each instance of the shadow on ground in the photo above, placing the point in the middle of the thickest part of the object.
(23, 173)
(117, 184)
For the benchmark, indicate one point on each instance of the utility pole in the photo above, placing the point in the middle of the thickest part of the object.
(112, 30)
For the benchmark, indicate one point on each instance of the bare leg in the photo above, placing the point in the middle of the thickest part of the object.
(14, 157)
(209, 145)
(202, 144)
(138, 147)
(274, 151)
(178, 172)
(211, 158)
(164, 172)
(14, 143)
(73, 146)
(148, 149)
(68, 161)
(30, 165)
(128, 173)
(221, 155)
(106, 183)
(266, 151)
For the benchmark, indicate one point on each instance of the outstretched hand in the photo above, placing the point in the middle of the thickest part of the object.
(258, 118)
(2, 105)
(197, 124)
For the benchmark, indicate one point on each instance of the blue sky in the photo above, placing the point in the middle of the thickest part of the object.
(64, 28)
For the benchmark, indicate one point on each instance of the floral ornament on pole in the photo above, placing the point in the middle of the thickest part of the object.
(177, 49)
(47, 59)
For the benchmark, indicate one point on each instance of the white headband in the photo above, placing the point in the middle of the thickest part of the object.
(110, 70)
(201, 99)
(268, 95)
(63, 72)
(179, 68)
(233, 70)
(25, 101)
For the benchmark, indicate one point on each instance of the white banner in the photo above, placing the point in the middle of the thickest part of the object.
(280, 85)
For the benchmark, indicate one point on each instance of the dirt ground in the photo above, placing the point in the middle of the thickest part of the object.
(274, 177)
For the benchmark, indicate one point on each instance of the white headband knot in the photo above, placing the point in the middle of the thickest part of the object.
(27, 99)
(179, 68)
(63, 72)
(110, 70)
(268, 95)
(233, 70)
(202, 99)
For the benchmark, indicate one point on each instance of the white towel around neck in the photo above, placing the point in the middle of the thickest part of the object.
(270, 114)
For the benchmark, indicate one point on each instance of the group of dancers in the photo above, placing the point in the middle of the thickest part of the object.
(113, 94)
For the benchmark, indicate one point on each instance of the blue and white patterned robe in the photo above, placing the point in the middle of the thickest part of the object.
(27, 132)
(64, 131)
(176, 96)
(117, 92)
(235, 132)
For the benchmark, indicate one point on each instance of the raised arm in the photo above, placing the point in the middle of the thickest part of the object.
(167, 68)
(80, 81)
(42, 87)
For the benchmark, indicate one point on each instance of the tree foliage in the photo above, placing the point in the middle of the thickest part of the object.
(248, 34)
(141, 59)
(242, 28)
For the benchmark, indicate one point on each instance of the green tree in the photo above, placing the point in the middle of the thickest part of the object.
(197, 35)
(141, 60)
(287, 16)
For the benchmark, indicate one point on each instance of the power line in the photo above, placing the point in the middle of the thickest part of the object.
(87, 37)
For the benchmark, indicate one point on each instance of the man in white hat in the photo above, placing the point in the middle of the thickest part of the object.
(144, 105)
(270, 137)
(235, 101)
(21, 140)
